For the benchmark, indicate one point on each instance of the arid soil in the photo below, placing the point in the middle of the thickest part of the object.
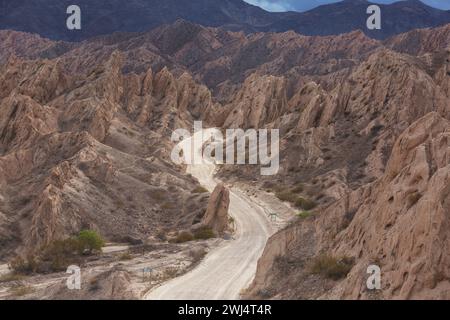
(364, 125)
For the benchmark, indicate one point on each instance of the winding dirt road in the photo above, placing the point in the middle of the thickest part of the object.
(228, 269)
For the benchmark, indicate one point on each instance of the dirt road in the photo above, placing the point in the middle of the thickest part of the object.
(231, 267)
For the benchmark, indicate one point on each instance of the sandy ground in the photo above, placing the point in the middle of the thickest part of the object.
(231, 267)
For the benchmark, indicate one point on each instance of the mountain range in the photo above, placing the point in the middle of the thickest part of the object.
(47, 18)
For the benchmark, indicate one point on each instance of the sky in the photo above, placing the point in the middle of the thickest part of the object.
(302, 5)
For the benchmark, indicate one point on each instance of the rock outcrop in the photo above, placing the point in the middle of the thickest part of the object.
(216, 215)
(79, 151)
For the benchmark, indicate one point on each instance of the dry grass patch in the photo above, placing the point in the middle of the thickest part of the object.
(331, 267)
(204, 233)
(125, 256)
(304, 214)
(286, 196)
(10, 277)
(183, 237)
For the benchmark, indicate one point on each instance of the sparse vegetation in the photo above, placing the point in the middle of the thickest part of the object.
(287, 196)
(304, 214)
(184, 237)
(24, 265)
(94, 284)
(170, 273)
(59, 254)
(167, 206)
(158, 195)
(298, 188)
(305, 204)
(200, 189)
(125, 256)
(413, 198)
(10, 277)
(331, 267)
(197, 254)
(204, 233)
(161, 235)
(292, 197)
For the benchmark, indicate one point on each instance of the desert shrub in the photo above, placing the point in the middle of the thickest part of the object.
(89, 241)
(158, 195)
(268, 184)
(199, 189)
(22, 201)
(24, 265)
(170, 273)
(298, 188)
(204, 233)
(305, 204)
(161, 235)
(9, 277)
(59, 254)
(94, 284)
(331, 267)
(119, 203)
(167, 206)
(304, 214)
(184, 237)
(413, 198)
(197, 255)
(62, 247)
(286, 196)
(376, 129)
(125, 256)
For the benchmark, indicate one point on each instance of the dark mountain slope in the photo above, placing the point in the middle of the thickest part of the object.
(48, 17)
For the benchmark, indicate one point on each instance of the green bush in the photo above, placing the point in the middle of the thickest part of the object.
(204, 233)
(89, 241)
(331, 267)
(305, 204)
